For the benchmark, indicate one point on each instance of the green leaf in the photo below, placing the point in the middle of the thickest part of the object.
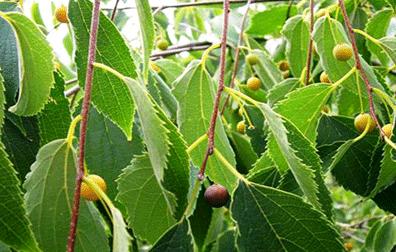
(275, 15)
(54, 120)
(285, 158)
(149, 214)
(107, 149)
(384, 237)
(9, 65)
(36, 65)
(387, 174)
(195, 93)
(369, 242)
(15, 228)
(2, 101)
(49, 199)
(170, 69)
(146, 31)
(296, 32)
(265, 172)
(279, 91)
(303, 107)
(377, 27)
(178, 238)
(266, 70)
(121, 237)
(109, 94)
(265, 215)
(225, 242)
(246, 157)
(389, 46)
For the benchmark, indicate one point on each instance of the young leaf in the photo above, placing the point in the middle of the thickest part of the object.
(296, 31)
(49, 199)
(303, 107)
(177, 238)
(149, 214)
(109, 94)
(195, 93)
(15, 228)
(54, 119)
(265, 216)
(36, 65)
(147, 31)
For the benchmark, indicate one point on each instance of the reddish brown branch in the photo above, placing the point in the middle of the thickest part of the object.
(310, 46)
(83, 126)
(358, 64)
(212, 126)
(114, 10)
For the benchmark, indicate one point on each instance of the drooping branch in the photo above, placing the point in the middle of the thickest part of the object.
(83, 126)
(358, 64)
(310, 45)
(212, 126)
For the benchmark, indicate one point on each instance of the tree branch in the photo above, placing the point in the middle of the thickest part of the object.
(83, 126)
(212, 126)
(310, 46)
(114, 10)
(358, 63)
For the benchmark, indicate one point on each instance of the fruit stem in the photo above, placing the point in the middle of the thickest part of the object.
(229, 166)
(197, 142)
(106, 201)
(242, 95)
(385, 96)
(359, 64)
(366, 129)
(193, 198)
(375, 41)
(213, 120)
(109, 69)
(310, 45)
(84, 123)
(205, 54)
(344, 78)
(72, 128)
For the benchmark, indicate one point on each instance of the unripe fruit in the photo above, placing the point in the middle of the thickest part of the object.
(286, 74)
(216, 195)
(387, 129)
(283, 65)
(241, 127)
(326, 109)
(88, 193)
(162, 44)
(324, 78)
(348, 246)
(61, 14)
(342, 52)
(253, 83)
(252, 59)
(362, 120)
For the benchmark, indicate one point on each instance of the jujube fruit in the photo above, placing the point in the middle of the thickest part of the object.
(252, 59)
(216, 195)
(342, 52)
(253, 83)
(162, 44)
(61, 14)
(387, 129)
(241, 127)
(362, 120)
(87, 192)
(283, 65)
(324, 78)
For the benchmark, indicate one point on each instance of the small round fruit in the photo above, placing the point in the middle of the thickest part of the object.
(326, 109)
(216, 195)
(348, 246)
(324, 78)
(61, 15)
(162, 44)
(286, 74)
(342, 52)
(88, 193)
(387, 129)
(362, 120)
(241, 127)
(283, 65)
(252, 59)
(253, 83)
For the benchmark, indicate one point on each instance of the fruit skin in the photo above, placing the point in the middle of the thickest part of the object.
(326, 109)
(286, 74)
(283, 65)
(348, 246)
(162, 44)
(361, 122)
(216, 195)
(387, 129)
(324, 78)
(241, 127)
(86, 191)
(253, 83)
(342, 52)
(252, 59)
(61, 15)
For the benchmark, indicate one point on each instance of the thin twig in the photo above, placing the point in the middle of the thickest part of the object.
(114, 10)
(310, 46)
(212, 126)
(178, 50)
(83, 126)
(236, 60)
(359, 64)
